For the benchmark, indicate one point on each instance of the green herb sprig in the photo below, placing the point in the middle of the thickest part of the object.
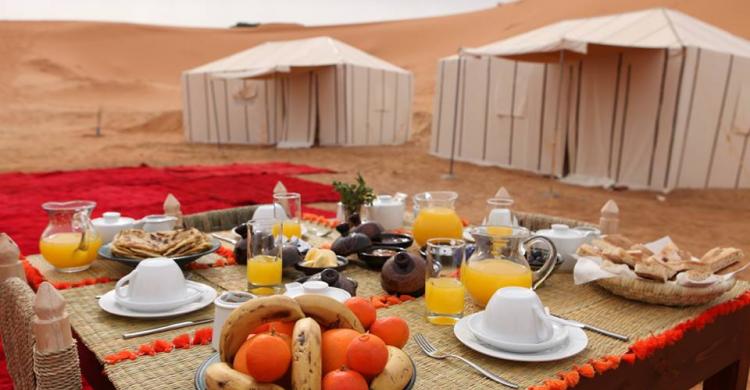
(354, 196)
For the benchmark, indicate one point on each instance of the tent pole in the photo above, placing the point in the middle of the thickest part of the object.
(450, 174)
(552, 192)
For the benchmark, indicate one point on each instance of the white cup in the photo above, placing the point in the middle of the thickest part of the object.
(224, 304)
(154, 285)
(516, 315)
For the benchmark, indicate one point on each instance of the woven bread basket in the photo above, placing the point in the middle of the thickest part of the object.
(669, 293)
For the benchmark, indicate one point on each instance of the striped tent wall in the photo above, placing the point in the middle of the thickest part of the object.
(643, 118)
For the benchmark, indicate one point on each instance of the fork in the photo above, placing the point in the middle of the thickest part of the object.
(432, 352)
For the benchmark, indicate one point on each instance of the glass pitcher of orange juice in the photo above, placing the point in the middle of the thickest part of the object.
(499, 261)
(436, 216)
(69, 242)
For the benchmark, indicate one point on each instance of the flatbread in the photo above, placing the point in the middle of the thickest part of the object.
(138, 244)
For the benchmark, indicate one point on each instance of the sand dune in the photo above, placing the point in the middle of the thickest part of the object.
(139, 56)
(55, 76)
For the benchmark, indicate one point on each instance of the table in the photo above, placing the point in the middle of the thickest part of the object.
(717, 353)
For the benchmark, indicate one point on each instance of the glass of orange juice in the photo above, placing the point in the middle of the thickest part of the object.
(264, 266)
(288, 210)
(436, 216)
(444, 292)
(69, 242)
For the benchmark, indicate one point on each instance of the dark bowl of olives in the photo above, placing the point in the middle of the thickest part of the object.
(376, 255)
(392, 239)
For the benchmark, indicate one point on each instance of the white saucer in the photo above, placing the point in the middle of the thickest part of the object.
(559, 336)
(108, 303)
(193, 290)
(320, 288)
(577, 341)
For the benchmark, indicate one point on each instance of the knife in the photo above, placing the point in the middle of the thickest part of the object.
(165, 328)
(592, 328)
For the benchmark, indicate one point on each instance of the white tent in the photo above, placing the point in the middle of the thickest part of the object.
(651, 99)
(296, 94)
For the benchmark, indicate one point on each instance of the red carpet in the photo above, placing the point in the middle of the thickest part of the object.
(139, 191)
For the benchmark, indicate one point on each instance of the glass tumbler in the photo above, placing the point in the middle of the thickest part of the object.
(263, 257)
(444, 292)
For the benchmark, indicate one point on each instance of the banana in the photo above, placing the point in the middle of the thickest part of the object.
(306, 355)
(219, 376)
(252, 314)
(397, 373)
(329, 312)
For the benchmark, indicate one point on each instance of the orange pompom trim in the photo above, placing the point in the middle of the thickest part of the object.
(644, 348)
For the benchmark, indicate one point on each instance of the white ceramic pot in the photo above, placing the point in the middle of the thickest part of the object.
(387, 211)
(110, 224)
(157, 223)
(567, 241)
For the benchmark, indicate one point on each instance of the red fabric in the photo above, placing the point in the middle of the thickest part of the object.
(139, 191)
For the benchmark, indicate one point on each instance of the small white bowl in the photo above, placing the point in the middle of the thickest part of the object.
(316, 287)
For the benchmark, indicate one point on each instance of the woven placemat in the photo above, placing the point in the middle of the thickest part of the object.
(587, 303)
(102, 334)
(99, 268)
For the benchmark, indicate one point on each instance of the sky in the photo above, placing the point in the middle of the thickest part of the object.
(225, 13)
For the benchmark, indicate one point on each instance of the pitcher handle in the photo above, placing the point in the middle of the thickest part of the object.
(550, 262)
(121, 283)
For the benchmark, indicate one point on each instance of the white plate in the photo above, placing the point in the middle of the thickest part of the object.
(577, 341)
(559, 336)
(208, 294)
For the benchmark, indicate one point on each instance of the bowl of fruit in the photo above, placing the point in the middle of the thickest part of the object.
(313, 342)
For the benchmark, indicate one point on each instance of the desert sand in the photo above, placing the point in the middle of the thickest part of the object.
(55, 76)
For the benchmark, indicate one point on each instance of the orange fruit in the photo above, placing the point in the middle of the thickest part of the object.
(333, 347)
(240, 360)
(363, 309)
(279, 326)
(392, 330)
(268, 356)
(344, 379)
(367, 354)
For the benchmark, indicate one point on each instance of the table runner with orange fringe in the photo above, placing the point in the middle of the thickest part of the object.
(653, 326)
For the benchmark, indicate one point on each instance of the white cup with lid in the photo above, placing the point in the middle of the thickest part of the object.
(111, 223)
(224, 304)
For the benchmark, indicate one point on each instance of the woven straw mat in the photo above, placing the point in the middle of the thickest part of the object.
(102, 332)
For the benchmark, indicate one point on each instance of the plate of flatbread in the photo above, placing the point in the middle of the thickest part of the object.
(130, 246)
